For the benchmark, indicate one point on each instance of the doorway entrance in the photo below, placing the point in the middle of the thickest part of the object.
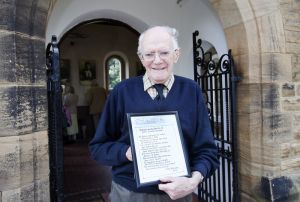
(95, 43)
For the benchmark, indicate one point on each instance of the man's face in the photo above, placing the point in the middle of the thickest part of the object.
(158, 55)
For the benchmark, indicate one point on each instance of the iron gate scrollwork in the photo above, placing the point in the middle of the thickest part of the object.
(217, 80)
(55, 127)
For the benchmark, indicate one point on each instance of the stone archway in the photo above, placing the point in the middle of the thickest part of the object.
(256, 31)
(263, 38)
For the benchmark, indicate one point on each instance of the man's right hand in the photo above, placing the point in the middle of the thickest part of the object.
(129, 154)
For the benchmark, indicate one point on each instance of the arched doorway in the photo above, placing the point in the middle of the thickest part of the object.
(89, 43)
(258, 52)
(184, 34)
(260, 34)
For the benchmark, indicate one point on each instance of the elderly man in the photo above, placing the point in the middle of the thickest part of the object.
(158, 50)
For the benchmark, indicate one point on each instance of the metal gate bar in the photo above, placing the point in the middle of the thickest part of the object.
(55, 132)
(217, 81)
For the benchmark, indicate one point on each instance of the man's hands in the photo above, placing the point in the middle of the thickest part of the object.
(178, 187)
(129, 154)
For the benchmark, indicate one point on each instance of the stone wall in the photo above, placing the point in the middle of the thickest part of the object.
(290, 91)
(264, 37)
(24, 165)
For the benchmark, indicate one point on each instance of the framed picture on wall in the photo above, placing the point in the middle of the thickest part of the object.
(87, 71)
(65, 69)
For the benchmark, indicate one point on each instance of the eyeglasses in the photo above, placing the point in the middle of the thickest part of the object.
(151, 56)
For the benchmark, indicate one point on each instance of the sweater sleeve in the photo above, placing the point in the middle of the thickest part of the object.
(107, 147)
(204, 151)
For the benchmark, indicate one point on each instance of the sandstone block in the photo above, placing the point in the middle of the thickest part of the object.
(7, 21)
(291, 105)
(297, 135)
(41, 111)
(296, 5)
(270, 98)
(285, 3)
(277, 128)
(41, 157)
(22, 60)
(24, 109)
(18, 111)
(293, 48)
(296, 67)
(292, 36)
(247, 10)
(290, 150)
(247, 183)
(296, 122)
(228, 12)
(298, 90)
(253, 39)
(27, 159)
(288, 90)
(24, 193)
(270, 158)
(264, 7)
(276, 67)
(290, 165)
(248, 75)
(237, 44)
(23, 160)
(27, 192)
(30, 63)
(247, 123)
(30, 18)
(7, 119)
(7, 57)
(42, 190)
(9, 162)
(271, 33)
(249, 99)
(243, 38)
(291, 20)
(11, 195)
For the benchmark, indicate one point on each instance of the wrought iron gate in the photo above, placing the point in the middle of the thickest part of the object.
(217, 81)
(55, 126)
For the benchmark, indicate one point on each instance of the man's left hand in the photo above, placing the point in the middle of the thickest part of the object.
(178, 187)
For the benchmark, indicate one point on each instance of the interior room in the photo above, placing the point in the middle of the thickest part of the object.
(101, 43)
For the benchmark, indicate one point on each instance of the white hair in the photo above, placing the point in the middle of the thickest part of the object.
(171, 31)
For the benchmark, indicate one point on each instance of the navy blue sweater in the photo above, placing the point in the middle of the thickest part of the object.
(112, 139)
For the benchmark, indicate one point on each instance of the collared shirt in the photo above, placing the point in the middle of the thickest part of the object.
(148, 86)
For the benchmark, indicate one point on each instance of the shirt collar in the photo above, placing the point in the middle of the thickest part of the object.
(148, 83)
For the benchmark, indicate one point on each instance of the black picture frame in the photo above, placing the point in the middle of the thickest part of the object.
(87, 71)
(151, 126)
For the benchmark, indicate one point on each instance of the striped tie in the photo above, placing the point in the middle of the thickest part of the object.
(159, 88)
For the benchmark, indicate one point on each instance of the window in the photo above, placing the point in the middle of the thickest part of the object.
(114, 71)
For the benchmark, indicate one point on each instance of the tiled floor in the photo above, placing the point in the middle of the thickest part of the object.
(84, 179)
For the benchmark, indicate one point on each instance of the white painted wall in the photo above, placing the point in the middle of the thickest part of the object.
(187, 17)
(99, 42)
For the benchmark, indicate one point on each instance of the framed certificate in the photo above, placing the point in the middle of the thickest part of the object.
(157, 146)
